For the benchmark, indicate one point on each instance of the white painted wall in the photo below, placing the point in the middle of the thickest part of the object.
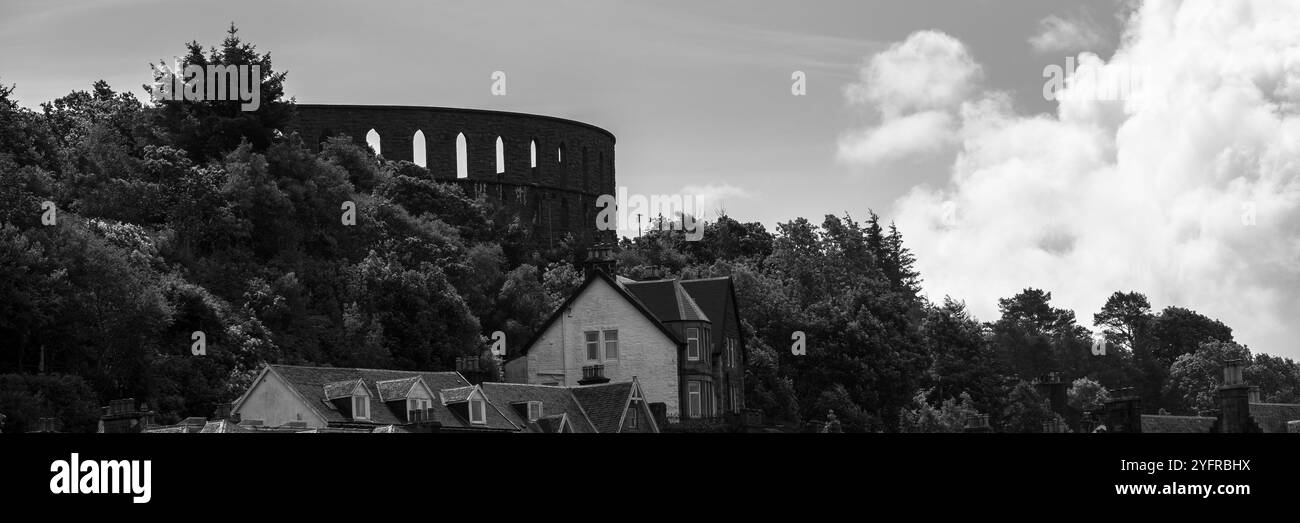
(644, 351)
(275, 404)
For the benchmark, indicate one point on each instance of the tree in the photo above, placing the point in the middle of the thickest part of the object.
(1278, 378)
(1087, 395)
(952, 416)
(1026, 410)
(208, 129)
(1194, 377)
(1123, 317)
(961, 361)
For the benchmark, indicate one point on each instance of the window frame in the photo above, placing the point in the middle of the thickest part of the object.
(482, 410)
(695, 338)
(532, 404)
(694, 398)
(589, 343)
(605, 343)
(362, 401)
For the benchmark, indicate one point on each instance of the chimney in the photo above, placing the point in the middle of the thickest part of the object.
(1053, 389)
(600, 257)
(1234, 401)
(1124, 412)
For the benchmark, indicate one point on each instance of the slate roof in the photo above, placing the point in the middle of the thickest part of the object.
(604, 403)
(667, 299)
(550, 424)
(1176, 424)
(619, 288)
(711, 295)
(310, 382)
(456, 395)
(341, 389)
(457, 403)
(1272, 417)
(398, 389)
(555, 401)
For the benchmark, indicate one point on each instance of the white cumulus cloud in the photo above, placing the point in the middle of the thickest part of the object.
(910, 93)
(1190, 195)
(1077, 32)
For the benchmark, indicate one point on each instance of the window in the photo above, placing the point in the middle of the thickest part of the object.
(462, 156)
(419, 150)
(360, 407)
(693, 344)
(611, 344)
(559, 153)
(693, 398)
(632, 415)
(735, 399)
(477, 411)
(501, 155)
(374, 141)
(593, 345)
(416, 407)
(534, 410)
(732, 349)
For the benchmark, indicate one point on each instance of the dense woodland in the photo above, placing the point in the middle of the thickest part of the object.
(194, 216)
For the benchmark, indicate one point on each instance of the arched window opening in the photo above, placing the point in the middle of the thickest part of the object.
(532, 154)
(462, 157)
(559, 153)
(419, 153)
(501, 155)
(373, 140)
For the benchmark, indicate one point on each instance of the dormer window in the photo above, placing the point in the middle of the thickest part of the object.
(534, 410)
(416, 407)
(477, 411)
(360, 406)
(693, 344)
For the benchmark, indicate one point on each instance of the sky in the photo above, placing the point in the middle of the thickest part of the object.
(933, 114)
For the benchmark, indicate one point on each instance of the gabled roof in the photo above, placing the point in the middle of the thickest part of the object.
(309, 384)
(606, 404)
(621, 290)
(668, 300)
(398, 389)
(554, 423)
(555, 401)
(457, 395)
(712, 295)
(342, 389)
(457, 402)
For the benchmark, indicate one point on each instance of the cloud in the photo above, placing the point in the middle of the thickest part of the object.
(711, 198)
(912, 90)
(1077, 32)
(929, 70)
(901, 137)
(1191, 196)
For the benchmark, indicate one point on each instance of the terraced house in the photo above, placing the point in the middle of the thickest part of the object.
(680, 339)
(329, 399)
